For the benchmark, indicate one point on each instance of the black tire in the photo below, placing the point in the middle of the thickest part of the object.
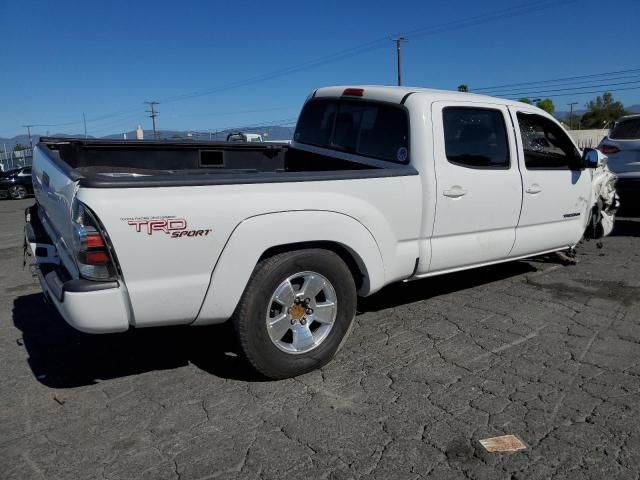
(18, 192)
(249, 319)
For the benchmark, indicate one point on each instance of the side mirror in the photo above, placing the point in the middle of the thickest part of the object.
(593, 158)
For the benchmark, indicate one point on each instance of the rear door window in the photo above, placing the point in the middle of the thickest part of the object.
(626, 130)
(475, 137)
(370, 129)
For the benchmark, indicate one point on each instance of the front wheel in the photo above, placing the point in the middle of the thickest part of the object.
(18, 192)
(295, 312)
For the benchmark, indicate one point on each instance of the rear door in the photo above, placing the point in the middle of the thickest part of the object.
(479, 191)
(557, 193)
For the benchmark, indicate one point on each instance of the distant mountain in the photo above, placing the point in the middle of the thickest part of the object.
(9, 143)
(273, 133)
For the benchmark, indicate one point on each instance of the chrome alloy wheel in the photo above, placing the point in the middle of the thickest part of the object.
(301, 312)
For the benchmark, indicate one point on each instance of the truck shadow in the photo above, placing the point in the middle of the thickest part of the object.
(62, 357)
(401, 293)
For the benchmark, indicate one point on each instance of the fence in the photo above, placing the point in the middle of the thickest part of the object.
(588, 138)
(15, 159)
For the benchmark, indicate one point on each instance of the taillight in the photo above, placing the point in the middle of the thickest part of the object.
(608, 149)
(353, 92)
(92, 253)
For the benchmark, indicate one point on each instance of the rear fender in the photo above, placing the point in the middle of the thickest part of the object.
(255, 235)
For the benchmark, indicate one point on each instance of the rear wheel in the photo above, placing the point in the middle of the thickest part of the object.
(18, 192)
(295, 312)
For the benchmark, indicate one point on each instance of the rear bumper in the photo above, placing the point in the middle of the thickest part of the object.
(86, 305)
(91, 307)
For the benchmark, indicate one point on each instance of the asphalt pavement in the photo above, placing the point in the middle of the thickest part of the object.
(547, 352)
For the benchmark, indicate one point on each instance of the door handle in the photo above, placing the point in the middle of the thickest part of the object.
(455, 192)
(533, 189)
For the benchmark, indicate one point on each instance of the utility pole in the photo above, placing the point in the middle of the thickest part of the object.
(571, 114)
(398, 41)
(153, 114)
(28, 127)
(84, 120)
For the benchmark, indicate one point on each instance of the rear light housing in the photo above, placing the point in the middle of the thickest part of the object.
(93, 253)
(353, 92)
(608, 149)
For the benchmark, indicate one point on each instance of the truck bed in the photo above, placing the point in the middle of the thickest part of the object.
(146, 163)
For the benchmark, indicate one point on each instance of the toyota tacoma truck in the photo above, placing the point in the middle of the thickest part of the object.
(379, 185)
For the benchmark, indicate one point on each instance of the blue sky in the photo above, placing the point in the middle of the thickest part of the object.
(62, 58)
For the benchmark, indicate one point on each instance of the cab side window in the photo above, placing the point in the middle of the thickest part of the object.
(546, 146)
(475, 137)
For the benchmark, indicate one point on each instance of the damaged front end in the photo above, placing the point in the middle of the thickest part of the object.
(605, 205)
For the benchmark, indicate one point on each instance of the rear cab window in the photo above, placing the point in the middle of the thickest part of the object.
(626, 130)
(371, 129)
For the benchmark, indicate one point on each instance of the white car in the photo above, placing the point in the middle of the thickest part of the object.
(379, 185)
(622, 147)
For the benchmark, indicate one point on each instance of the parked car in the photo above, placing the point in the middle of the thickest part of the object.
(244, 137)
(16, 183)
(622, 147)
(379, 185)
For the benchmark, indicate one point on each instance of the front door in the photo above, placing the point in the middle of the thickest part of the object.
(479, 190)
(557, 192)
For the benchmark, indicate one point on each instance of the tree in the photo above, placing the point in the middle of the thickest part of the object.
(546, 105)
(19, 147)
(602, 111)
(525, 100)
(463, 88)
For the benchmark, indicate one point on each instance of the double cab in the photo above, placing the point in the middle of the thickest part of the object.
(379, 185)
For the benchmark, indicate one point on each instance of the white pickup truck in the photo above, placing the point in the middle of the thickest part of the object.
(379, 185)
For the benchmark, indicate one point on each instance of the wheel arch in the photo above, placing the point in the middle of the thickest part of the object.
(356, 265)
(263, 236)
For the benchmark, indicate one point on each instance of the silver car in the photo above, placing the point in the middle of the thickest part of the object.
(622, 146)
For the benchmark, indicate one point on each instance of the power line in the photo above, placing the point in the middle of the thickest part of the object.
(379, 43)
(544, 92)
(237, 112)
(361, 49)
(123, 122)
(56, 124)
(560, 84)
(112, 125)
(496, 87)
(585, 93)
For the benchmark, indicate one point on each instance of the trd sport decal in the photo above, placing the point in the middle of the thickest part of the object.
(175, 227)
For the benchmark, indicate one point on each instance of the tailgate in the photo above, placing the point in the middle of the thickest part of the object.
(55, 189)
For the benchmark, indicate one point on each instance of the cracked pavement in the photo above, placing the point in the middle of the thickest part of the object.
(548, 352)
